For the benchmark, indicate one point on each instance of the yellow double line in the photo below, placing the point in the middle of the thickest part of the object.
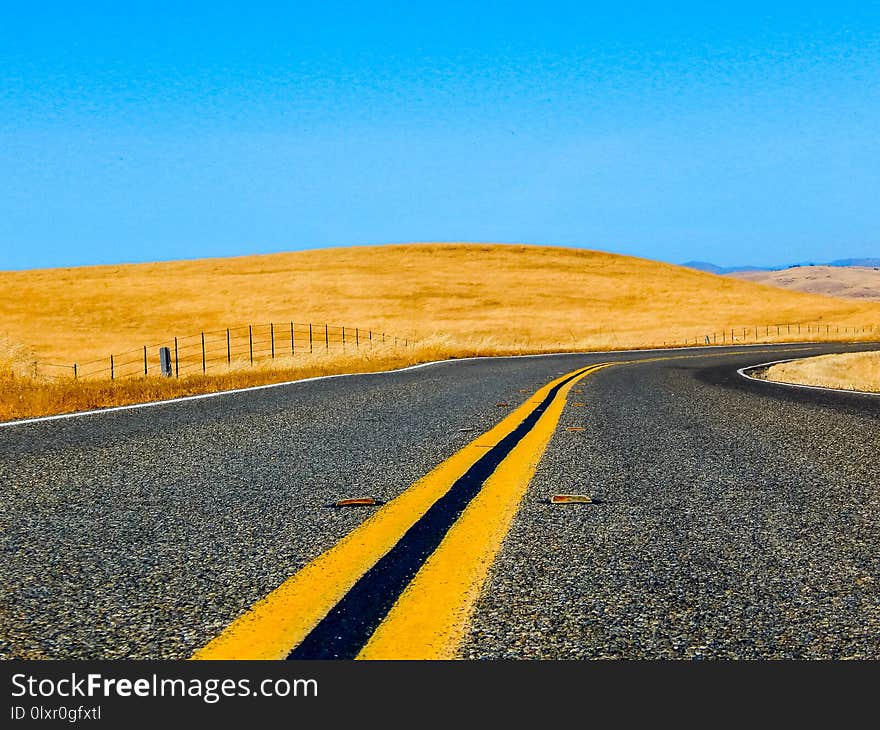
(429, 616)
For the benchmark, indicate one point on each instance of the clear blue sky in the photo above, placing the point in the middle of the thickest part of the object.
(748, 133)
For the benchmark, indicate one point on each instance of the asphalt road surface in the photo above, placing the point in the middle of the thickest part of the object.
(734, 518)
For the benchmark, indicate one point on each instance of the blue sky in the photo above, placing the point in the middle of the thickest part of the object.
(738, 134)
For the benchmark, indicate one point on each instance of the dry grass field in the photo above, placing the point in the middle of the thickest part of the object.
(849, 371)
(454, 299)
(849, 282)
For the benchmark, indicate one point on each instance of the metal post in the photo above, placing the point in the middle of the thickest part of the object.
(228, 348)
(74, 371)
(310, 336)
(292, 340)
(204, 364)
(165, 362)
(272, 338)
(326, 338)
(343, 336)
(357, 341)
(176, 361)
(251, 341)
(145, 359)
(111, 368)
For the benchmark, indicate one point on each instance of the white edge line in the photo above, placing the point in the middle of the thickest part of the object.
(743, 373)
(203, 396)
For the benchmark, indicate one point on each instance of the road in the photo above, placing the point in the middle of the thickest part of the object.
(732, 518)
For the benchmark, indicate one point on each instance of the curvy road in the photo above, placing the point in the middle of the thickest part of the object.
(729, 517)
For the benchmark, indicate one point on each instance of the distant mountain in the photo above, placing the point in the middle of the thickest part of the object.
(722, 270)
(871, 263)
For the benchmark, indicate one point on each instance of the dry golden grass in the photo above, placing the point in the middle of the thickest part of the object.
(456, 299)
(848, 371)
(25, 396)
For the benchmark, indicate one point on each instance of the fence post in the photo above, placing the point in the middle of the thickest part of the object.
(251, 341)
(357, 339)
(343, 337)
(176, 361)
(326, 338)
(204, 364)
(272, 338)
(74, 371)
(228, 348)
(292, 340)
(165, 362)
(145, 359)
(310, 336)
(111, 368)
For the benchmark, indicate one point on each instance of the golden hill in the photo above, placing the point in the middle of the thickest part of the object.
(850, 282)
(493, 298)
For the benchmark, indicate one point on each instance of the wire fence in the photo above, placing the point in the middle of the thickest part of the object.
(217, 350)
(250, 345)
(771, 332)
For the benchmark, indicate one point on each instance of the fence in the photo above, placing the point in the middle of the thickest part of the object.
(764, 333)
(213, 350)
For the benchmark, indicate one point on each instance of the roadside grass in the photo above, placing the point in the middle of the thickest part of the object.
(847, 371)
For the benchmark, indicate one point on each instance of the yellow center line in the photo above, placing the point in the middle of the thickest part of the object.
(280, 621)
(428, 618)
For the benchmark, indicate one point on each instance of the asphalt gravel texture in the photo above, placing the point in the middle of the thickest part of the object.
(736, 518)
